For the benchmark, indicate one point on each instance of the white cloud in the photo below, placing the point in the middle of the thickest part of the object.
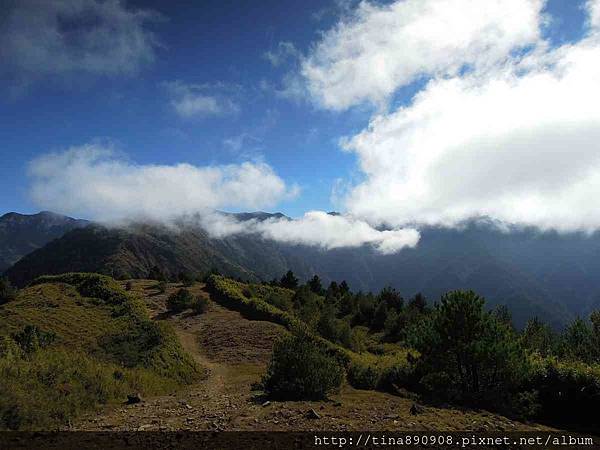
(593, 7)
(316, 228)
(379, 48)
(283, 52)
(518, 141)
(62, 36)
(92, 181)
(197, 100)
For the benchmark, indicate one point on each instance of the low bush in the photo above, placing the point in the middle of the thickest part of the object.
(301, 370)
(386, 372)
(363, 376)
(566, 392)
(32, 339)
(180, 301)
(200, 306)
(187, 279)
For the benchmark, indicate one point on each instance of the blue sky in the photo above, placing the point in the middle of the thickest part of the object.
(220, 50)
(212, 42)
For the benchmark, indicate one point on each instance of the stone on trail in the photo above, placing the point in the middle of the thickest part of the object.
(312, 414)
(132, 399)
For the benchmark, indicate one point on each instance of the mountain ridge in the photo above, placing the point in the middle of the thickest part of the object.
(21, 234)
(545, 274)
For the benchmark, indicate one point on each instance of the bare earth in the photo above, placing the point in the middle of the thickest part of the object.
(235, 352)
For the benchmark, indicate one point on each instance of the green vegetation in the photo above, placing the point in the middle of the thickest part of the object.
(187, 279)
(72, 342)
(300, 369)
(200, 305)
(253, 300)
(289, 280)
(180, 300)
(468, 354)
(454, 351)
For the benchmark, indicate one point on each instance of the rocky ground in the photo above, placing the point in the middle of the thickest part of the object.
(235, 352)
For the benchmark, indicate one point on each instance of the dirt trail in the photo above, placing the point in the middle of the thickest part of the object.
(215, 371)
(235, 351)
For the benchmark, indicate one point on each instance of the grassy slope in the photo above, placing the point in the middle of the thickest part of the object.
(365, 370)
(105, 348)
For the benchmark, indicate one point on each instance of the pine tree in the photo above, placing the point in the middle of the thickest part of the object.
(289, 280)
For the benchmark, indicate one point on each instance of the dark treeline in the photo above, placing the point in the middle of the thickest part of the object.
(399, 320)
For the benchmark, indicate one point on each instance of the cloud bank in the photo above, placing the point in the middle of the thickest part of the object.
(377, 49)
(316, 228)
(92, 181)
(63, 36)
(506, 126)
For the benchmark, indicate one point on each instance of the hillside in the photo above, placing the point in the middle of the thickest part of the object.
(236, 350)
(70, 344)
(95, 343)
(21, 234)
(548, 275)
(133, 251)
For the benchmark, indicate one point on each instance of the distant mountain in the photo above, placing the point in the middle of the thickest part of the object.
(258, 215)
(21, 234)
(555, 277)
(131, 252)
(550, 275)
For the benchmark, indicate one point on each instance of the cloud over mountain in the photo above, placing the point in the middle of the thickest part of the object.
(94, 182)
(316, 228)
(505, 125)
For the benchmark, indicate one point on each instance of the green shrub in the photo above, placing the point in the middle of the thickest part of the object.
(187, 279)
(279, 300)
(387, 372)
(102, 288)
(566, 392)
(180, 301)
(363, 376)
(359, 339)
(200, 306)
(301, 370)
(157, 274)
(31, 339)
(132, 347)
